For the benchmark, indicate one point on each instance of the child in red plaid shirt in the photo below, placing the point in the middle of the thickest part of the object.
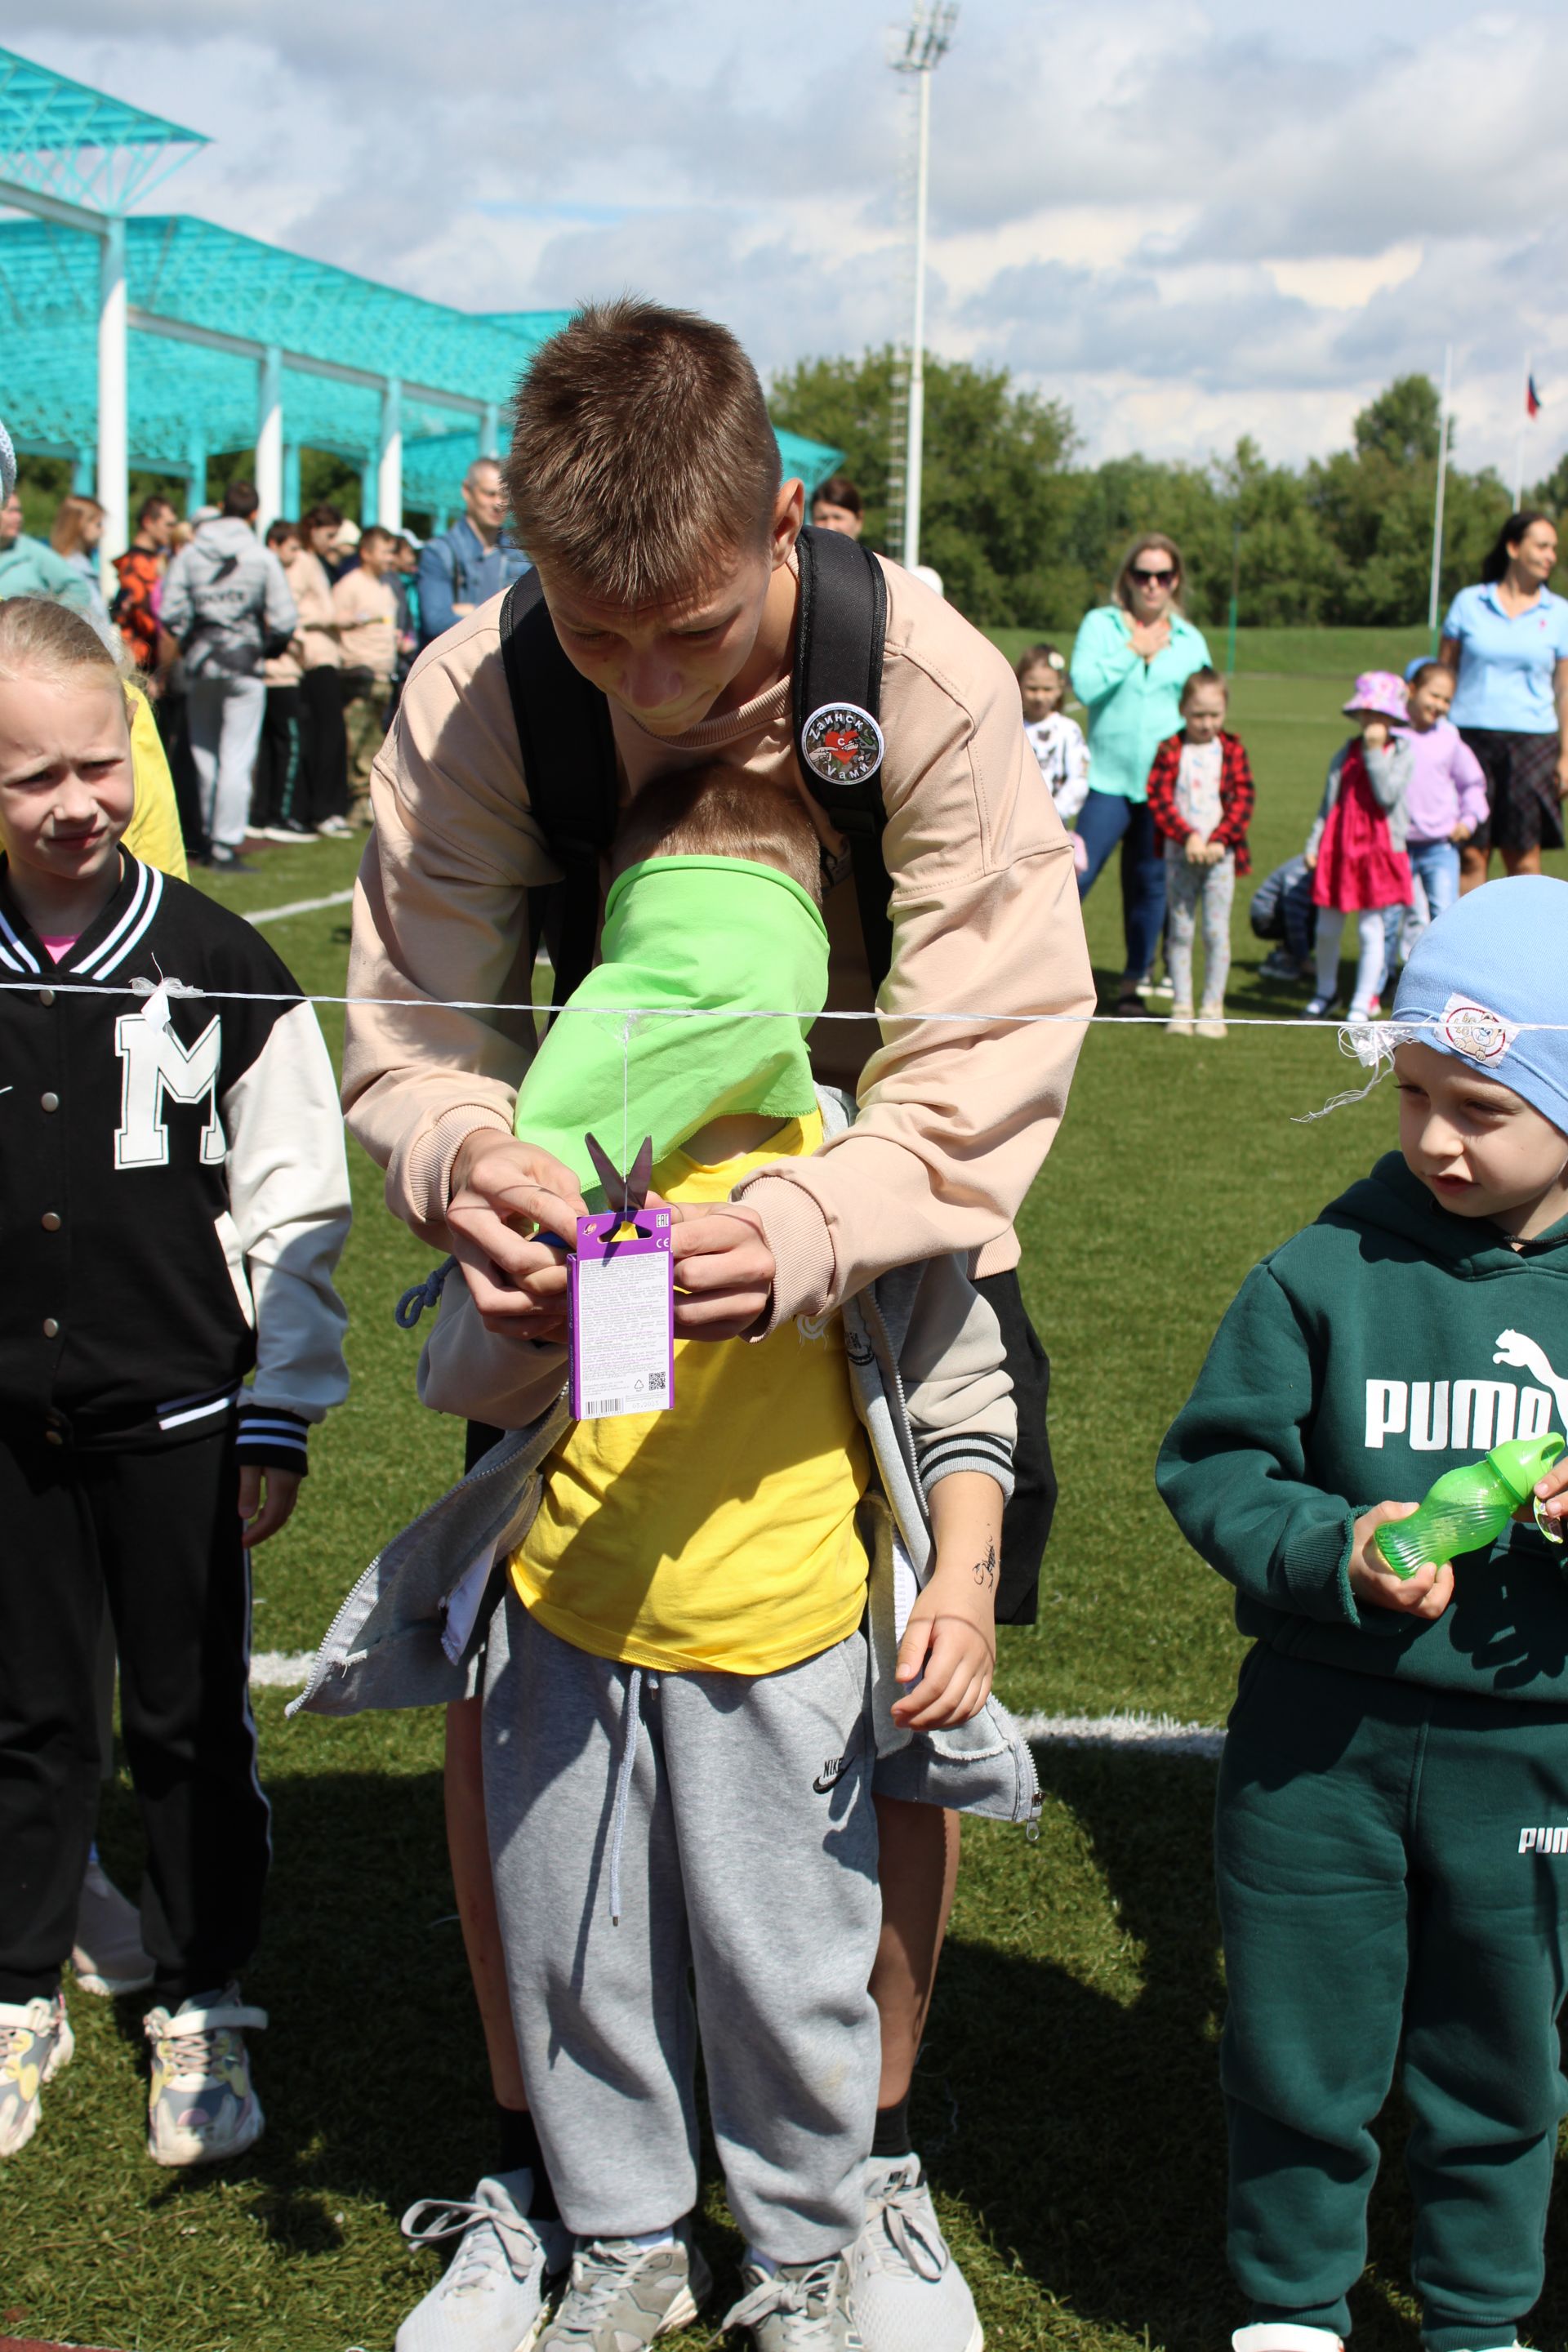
(1199, 797)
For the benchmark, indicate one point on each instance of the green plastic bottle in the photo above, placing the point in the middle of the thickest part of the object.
(1469, 1507)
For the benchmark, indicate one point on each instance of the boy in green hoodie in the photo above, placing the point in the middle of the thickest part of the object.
(1392, 1830)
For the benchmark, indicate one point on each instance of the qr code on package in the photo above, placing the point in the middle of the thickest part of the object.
(656, 1380)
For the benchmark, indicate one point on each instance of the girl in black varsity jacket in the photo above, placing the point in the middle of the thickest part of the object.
(173, 1198)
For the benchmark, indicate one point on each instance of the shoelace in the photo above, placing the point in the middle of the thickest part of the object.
(187, 2042)
(475, 2257)
(897, 2207)
(595, 2292)
(808, 2300)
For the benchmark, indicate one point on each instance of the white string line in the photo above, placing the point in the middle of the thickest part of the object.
(181, 988)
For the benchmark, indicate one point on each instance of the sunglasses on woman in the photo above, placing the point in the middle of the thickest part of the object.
(1161, 579)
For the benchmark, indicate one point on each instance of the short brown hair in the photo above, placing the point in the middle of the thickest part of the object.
(240, 501)
(1203, 677)
(641, 453)
(719, 811)
(837, 490)
(1145, 541)
(375, 534)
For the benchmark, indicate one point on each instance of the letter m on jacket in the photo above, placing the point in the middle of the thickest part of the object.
(156, 1070)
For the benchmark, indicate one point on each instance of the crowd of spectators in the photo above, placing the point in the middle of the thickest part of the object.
(273, 666)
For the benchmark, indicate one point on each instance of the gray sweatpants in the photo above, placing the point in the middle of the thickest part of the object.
(747, 1854)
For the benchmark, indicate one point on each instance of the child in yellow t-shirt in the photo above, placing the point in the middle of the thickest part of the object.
(679, 1743)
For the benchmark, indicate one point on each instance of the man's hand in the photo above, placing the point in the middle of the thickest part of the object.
(1552, 1492)
(724, 1269)
(503, 1191)
(260, 1519)
(1424, 1595)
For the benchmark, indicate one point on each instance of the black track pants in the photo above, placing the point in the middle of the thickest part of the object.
(158, 1534)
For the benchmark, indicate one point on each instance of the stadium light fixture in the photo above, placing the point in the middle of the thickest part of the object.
(926, 43)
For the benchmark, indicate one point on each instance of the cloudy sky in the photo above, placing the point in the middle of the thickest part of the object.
(1187, 218)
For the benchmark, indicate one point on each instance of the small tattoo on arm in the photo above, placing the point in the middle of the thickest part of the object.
(985, 1570)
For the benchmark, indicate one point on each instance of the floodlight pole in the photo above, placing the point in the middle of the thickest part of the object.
(1443, 419)
(929, 37)
(113, 414)
(1518, 439)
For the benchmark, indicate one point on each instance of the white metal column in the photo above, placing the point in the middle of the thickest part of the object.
(389, 472)
(269, 440)
(489, 431)
(113, 425)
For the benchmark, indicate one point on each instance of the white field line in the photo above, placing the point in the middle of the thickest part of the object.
(298, 907)
(280, 1669)
(1136, 1733)
(1147, 1735)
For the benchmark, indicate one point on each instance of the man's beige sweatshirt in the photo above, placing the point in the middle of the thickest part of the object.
(956, 1118)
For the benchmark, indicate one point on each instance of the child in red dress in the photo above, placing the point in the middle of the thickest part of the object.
(1356, 848)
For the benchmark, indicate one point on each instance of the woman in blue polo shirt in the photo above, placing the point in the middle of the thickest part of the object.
(1506, 642)
(1130, 663)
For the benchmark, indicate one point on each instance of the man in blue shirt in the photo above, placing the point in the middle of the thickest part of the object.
(472, 562)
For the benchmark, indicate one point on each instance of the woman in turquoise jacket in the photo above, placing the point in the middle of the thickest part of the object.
(1131, 659)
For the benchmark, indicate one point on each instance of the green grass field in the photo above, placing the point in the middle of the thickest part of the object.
(1277, 653)
(1066, 2102)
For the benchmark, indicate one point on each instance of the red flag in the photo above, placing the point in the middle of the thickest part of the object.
(1532, 397)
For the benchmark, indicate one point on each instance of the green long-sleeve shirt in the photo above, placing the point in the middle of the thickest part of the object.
(1389, 1342)
(1132, 704)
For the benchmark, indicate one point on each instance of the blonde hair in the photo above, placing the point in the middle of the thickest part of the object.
(717, 812)
(68, 532)
(39, 638)
(642, 454)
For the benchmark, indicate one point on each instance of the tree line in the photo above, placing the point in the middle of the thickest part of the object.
(1027, 536)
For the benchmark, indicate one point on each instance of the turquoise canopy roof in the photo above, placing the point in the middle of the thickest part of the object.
(205, 302)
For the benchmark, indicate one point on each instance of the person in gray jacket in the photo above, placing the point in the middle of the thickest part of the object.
(228, 607)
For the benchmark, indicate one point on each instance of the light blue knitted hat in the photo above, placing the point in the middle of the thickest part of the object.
(7, 465)
(1495, 964)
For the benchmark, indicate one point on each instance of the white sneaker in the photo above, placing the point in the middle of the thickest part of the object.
(906, 2287)
(621, 2296)
(1284, 2335)
(107, 1957)
(201, 2105)
(493, 2296)
(1180, 1024)
(36, 2041)
(334, 828)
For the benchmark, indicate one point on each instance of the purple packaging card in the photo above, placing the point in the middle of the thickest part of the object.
(622, 1316)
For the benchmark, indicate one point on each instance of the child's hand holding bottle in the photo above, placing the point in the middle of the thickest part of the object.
(1425, 1594)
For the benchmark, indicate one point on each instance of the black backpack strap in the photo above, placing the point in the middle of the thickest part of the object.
(569, 766)
(837, 693)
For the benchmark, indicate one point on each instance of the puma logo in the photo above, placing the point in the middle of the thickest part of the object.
(1440, 1415)
(1520, 1353)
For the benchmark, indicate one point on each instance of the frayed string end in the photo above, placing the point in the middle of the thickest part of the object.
(1372, 1044)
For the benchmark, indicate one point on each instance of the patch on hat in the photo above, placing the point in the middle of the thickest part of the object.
(842, 743)
(1475, 1030)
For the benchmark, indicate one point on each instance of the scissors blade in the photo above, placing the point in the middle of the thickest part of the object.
(608, 1174)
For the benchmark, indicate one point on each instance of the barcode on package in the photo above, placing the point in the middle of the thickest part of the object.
(623, 1317)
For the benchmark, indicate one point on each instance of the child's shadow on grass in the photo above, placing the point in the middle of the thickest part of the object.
(1087, 2136)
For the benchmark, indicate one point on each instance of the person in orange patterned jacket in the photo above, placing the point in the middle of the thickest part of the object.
(141, 569)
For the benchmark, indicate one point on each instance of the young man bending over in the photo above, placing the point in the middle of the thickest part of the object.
(644, 480)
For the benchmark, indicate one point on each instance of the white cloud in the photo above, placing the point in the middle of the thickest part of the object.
(1188, 218)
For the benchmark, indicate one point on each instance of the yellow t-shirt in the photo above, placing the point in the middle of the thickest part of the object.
(153, 833)
(719, 1535)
